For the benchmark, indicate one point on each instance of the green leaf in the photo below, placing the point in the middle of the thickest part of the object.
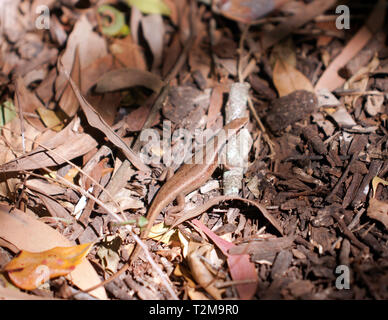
(150, 6)
(7, 112)
(113, 22)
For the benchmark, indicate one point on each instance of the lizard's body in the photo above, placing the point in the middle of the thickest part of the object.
(189, 177)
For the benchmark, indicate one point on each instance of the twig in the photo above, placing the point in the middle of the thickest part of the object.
(349, 234)
(341, 180)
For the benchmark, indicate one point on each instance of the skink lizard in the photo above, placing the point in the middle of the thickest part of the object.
(189, 177)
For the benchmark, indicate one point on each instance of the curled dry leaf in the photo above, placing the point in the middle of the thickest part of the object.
(161, 233)
(28, 270)
(288, 79)
(378, 209)
(200, 271)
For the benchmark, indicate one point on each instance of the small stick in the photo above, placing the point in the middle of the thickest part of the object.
(349, 234)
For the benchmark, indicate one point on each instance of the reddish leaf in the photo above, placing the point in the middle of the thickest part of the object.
(241, 268)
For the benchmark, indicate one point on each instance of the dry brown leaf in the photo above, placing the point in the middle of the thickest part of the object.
(67, 144)
(28, 102)
(11, 146)
(44, 187)
(45, 90)
(128, 53)
(136, 119)
(91, 47)
(171, 55)
(96, 70)
(13, 140)
(26, 233)
(55, 208)
(106, 105)
(324, 40)
(215, 106)
(126, 78)
(284, 50)
(378, 210)
(288, 79)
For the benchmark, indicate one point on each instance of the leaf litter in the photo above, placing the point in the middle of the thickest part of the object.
(76, 98)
